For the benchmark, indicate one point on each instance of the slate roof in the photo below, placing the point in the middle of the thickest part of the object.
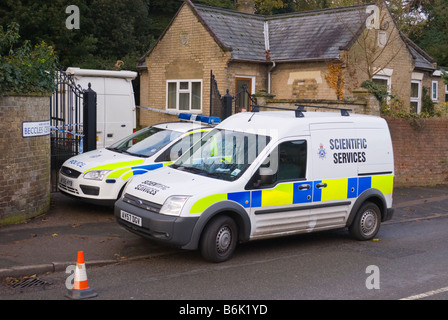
(299, 36)
(421, 59)
(310, 35)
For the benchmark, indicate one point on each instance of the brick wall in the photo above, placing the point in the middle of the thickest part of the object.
(420, 151)
(24, 162)
(186, 51)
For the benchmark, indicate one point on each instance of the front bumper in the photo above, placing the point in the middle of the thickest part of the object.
(175, 231)
(106, 191)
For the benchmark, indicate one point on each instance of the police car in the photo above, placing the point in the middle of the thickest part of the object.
(99, 176)
(267, 174)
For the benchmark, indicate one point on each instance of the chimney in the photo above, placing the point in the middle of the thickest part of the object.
(245, 6)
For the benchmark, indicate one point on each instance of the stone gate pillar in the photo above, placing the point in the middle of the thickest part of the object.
(24, 158)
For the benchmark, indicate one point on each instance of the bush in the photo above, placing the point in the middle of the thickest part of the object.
(25, 69)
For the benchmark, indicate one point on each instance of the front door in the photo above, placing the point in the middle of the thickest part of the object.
(242, 94)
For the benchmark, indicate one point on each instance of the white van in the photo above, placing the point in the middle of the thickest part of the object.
(267, 174)
(99, 176)
(116, 115)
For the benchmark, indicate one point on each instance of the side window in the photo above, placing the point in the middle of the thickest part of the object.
(286, 162)
(292, 160)
(177, 149)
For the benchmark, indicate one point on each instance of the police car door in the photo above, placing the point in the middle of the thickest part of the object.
(281, 192)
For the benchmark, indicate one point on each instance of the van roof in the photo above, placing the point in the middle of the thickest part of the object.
(286, 123)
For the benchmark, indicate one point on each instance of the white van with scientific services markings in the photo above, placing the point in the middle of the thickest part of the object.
(99, 176)
(266, 174)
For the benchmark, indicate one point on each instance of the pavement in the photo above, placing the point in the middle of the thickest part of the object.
(50, 243)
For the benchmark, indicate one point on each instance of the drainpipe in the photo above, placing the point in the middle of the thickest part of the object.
(268, 53)
(269, 76)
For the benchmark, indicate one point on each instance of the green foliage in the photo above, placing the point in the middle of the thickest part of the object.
(379, 91)
(427, 103)
(25, 69)
(433, 36)
(268, 7)
(445, 77)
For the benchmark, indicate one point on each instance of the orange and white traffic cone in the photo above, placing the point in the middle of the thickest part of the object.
(81, 289)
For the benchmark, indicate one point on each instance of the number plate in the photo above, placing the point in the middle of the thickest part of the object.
(131, 218)
(66, 182)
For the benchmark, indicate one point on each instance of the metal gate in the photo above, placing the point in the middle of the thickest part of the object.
(224, 106)
(244, 100)
(67, 132)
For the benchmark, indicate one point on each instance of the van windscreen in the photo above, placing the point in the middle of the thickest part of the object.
(223, 154)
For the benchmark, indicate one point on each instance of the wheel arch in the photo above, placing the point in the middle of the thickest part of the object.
(372, 195)
(229, 208)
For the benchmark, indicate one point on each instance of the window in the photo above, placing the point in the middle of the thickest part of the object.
(179, 148)
(415, 96)
(146, 142)
(384, 82)
(222, 154)
(434, 91)
(288, 161)
(184, 95)
(446, 93)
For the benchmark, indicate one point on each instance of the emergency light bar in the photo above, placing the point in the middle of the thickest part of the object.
(199, 118)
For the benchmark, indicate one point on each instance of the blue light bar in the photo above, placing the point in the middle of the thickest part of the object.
(184, 116)
(199, 118)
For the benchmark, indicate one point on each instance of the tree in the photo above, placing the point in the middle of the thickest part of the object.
(433, 36)
(25, 69)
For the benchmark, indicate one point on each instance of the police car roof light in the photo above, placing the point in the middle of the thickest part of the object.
(199, 118)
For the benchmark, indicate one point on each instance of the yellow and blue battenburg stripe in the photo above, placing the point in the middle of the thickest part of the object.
(301, 192)
(127, 169)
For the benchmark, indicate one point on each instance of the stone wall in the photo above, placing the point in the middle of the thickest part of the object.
(24, 161)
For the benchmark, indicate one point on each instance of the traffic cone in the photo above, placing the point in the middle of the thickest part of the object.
(81, 289)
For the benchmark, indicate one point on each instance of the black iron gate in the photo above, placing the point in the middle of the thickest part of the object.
(244, 100)
(225, 106)
(69, 133)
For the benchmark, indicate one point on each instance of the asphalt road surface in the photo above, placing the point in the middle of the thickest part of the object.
(407, 260)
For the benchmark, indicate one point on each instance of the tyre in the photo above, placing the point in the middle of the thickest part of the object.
(219, 239)
(367, 222)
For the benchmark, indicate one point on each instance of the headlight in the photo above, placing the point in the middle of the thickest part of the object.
(96, 174)
(173, 205)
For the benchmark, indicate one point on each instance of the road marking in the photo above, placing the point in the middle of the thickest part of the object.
(426, 294)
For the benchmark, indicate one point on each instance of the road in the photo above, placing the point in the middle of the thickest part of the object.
(408, 259)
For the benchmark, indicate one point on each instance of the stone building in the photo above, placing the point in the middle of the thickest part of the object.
(314, 57)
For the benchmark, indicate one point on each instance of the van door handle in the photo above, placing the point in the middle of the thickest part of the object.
(321, 185)
(304, 187)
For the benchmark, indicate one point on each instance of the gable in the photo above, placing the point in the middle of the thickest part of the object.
(185, 28)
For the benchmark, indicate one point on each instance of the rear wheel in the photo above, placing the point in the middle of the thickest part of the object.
(367, 222)
(219, 239)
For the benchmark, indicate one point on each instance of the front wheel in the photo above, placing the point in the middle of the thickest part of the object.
(219, 239)
(367, 222)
